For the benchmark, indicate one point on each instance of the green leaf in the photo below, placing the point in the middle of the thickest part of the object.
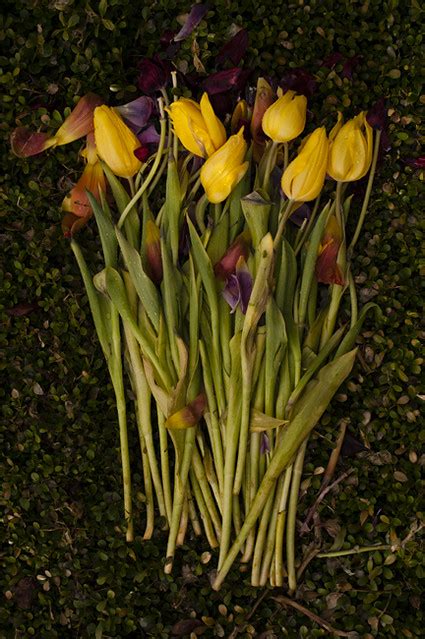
(107, 234)
(99, 306)
(144, 286)
(171, 216)
(350, 339)
(310, 262)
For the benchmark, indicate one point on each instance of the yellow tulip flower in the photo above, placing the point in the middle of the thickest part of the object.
(303, 180)
(115, 142)
(197, 127)
(225, 168)
(350, 154)
(284, 120)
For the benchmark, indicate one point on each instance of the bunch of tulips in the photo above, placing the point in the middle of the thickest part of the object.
(226, 259)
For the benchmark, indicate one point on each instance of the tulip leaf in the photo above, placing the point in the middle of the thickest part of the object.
(171, 286)
(349, 340)
(309, 264)
(315, 363)
(99, 305)
(286, 278)
(144, 286)
(256, 208)
(171, 215)
(276, 342)
(261, 422)
(107, 234)
(110, 283)
(122, 198)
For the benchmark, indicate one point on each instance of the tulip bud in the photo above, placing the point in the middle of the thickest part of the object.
(197, 126)
(115, 142)
(303, 180)
(327, 269)
(153, 251)
(239, 117)
(284, 120)
(239, 248)
(350, 153)
(224, 169)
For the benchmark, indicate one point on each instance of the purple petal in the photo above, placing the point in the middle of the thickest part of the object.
(245, 288)
(349, 66)
(331, 60)
(223, 81)
(299, 80)
(301, 214)
(222, 103)
(377, 115)
(265, 444)
(137, 113)
(235, 49)
(149, 135)
(153, 75)
(195, 16)
(231, 292)
(416, 163)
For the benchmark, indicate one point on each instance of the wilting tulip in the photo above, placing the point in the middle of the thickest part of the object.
(79, 123)
(76, 203)
(350, 153)
(238, 289)
(197, 127)
(284, 120)
(189, 415)
(263, 99)
(327, 269)
(239, 248)
(303, 180)
(115, 142)
(225, 168)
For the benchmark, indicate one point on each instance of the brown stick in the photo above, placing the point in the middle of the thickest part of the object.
(286, 601)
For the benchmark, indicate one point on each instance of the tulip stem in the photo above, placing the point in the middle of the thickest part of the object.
(366, 197)
(149, 177)
(285, 155)
(284, 218)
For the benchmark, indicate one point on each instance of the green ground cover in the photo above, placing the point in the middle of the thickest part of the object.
(66, 569)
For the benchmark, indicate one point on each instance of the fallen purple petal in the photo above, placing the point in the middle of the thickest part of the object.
(195, 16)
(235, 49)
(349, 65)
(137, 113)
(299, 80)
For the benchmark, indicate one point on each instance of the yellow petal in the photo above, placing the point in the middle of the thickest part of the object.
(115, 142)
(215, 128)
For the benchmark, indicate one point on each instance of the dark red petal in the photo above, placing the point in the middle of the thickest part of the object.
(331, 60)
(377, 115)
(195, 16)
(299, 80)
(327, 270)
(142, 153)
(235, 49)
(25, 143)
(223, 81)
(24, 308)
(350, 65)
(153, 75)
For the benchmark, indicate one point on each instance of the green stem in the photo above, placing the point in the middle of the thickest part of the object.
(151, 174)
(292, 514)
(165, 465)
(353, 299)
(284, 216)
(366, 197)
(285, 155)
(353, 551)
(180, 480)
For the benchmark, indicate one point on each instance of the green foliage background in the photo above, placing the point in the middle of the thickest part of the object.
(67, 571)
